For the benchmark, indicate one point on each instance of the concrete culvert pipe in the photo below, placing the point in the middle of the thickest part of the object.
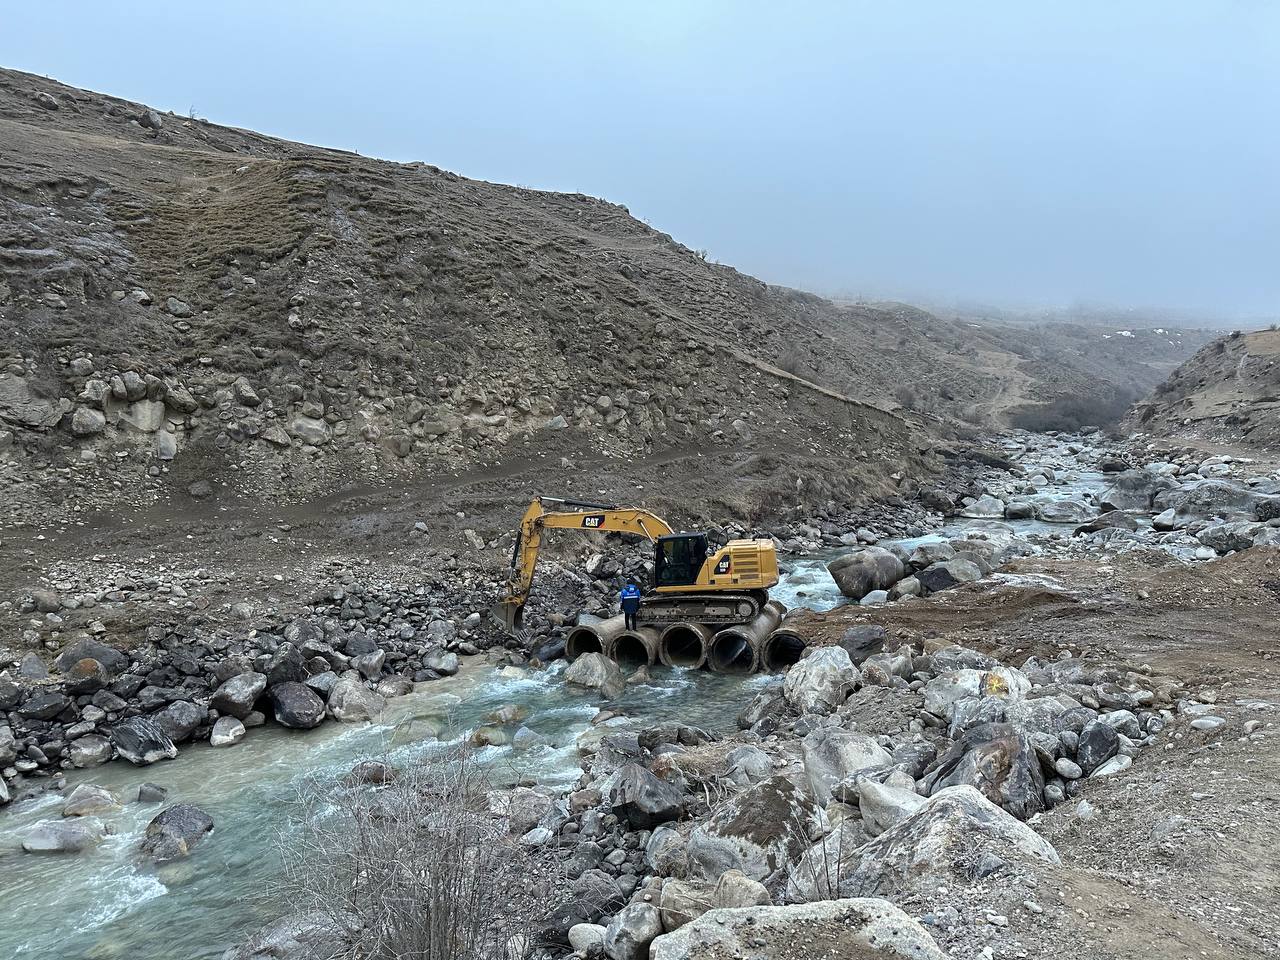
(634, 648)
(737, 649)
(593, 637)
(685, 645)
(783, 648)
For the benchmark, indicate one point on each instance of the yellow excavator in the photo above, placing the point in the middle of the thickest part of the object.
(690, 583)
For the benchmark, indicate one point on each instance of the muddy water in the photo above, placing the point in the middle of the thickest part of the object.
(106, 903)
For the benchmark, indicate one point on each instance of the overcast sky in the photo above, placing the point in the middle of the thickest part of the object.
(1010, 152)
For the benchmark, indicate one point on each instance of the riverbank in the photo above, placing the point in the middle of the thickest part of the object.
(1133, 600)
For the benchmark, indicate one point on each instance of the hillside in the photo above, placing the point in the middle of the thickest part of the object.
(188, 306)
(1228, 393)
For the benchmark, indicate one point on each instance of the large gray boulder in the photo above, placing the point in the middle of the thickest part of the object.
(854, 927)
(758, 831)
(142, 741)
(985, 507)
(884, 806)
(227, 732)
(297, 936)
(630, 932)
(64, 836)
(86, 648)
(1064, 511)
(834, 754)
(1098, 742)
(597, 672)
(88, 799)
(173, 832)
(820, 682)
(874, 568)
(946, 574)
(1136, 490)
(350, 700)
(236, 697)
(1210, 498)
(90, 750)
(641, 799)
(180, 719)
(296, 705)
(928, 849)
(1000, 763)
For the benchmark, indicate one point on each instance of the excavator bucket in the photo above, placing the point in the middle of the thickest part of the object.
(510, 614)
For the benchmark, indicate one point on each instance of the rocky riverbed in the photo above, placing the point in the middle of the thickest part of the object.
(939, 768)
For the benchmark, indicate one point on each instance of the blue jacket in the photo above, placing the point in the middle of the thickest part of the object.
(630, 597)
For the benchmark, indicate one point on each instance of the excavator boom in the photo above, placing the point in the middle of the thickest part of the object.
(551, 513)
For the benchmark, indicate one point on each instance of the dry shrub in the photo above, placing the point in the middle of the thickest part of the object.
(419, 868)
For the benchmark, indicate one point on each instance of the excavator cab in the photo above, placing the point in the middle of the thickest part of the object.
(678, 559)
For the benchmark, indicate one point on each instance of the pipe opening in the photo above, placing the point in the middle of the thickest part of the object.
(782, 650)
(581, 640)
(629, 651)
(731, 653)
(683, 647)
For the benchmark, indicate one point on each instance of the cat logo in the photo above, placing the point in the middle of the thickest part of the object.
(593, 520)
(723, 566)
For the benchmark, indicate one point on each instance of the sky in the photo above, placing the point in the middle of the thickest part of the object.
(1013, 153)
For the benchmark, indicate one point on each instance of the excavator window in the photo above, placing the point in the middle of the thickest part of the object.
(678, 559)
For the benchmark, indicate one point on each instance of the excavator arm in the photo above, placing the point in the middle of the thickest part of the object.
(547, 513)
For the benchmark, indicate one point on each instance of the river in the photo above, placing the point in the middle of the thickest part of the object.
(107, 903)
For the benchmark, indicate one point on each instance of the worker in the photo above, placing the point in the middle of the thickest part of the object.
(630, 603)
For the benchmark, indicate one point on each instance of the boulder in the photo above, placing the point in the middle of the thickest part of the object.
(64, 836)
(984, 508)
(296, 705)
(863, 640)
(350, 700)
(757, 832)
(857, 574)
(682, 901)
(631, 931)
(236, 696)
(87, 676)
(1136, 490)
(88, 799)
(1098, 743)
(297, 936)
(1209, 498)
(820, 682)
(927, 554)
(997, 761)
(227, 732)
(180, 719)
(45, 706)
(638, 797)
(87, 648)
(946, 574)
(90, 751)
(883, 806)
(596, 672)
(1064, 511)
(142, 741)
(172, 833)
(834, 754)
(587, 938)
(929, 848)
(849, 928)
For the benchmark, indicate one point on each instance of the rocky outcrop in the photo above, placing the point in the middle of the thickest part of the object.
(852, 927)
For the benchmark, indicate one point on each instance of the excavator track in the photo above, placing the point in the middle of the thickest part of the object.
(718, 608)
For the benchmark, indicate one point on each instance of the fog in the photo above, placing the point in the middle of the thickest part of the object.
(1009, 153)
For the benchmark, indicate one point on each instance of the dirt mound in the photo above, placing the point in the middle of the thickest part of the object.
(193, 309)
(1228, 393)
